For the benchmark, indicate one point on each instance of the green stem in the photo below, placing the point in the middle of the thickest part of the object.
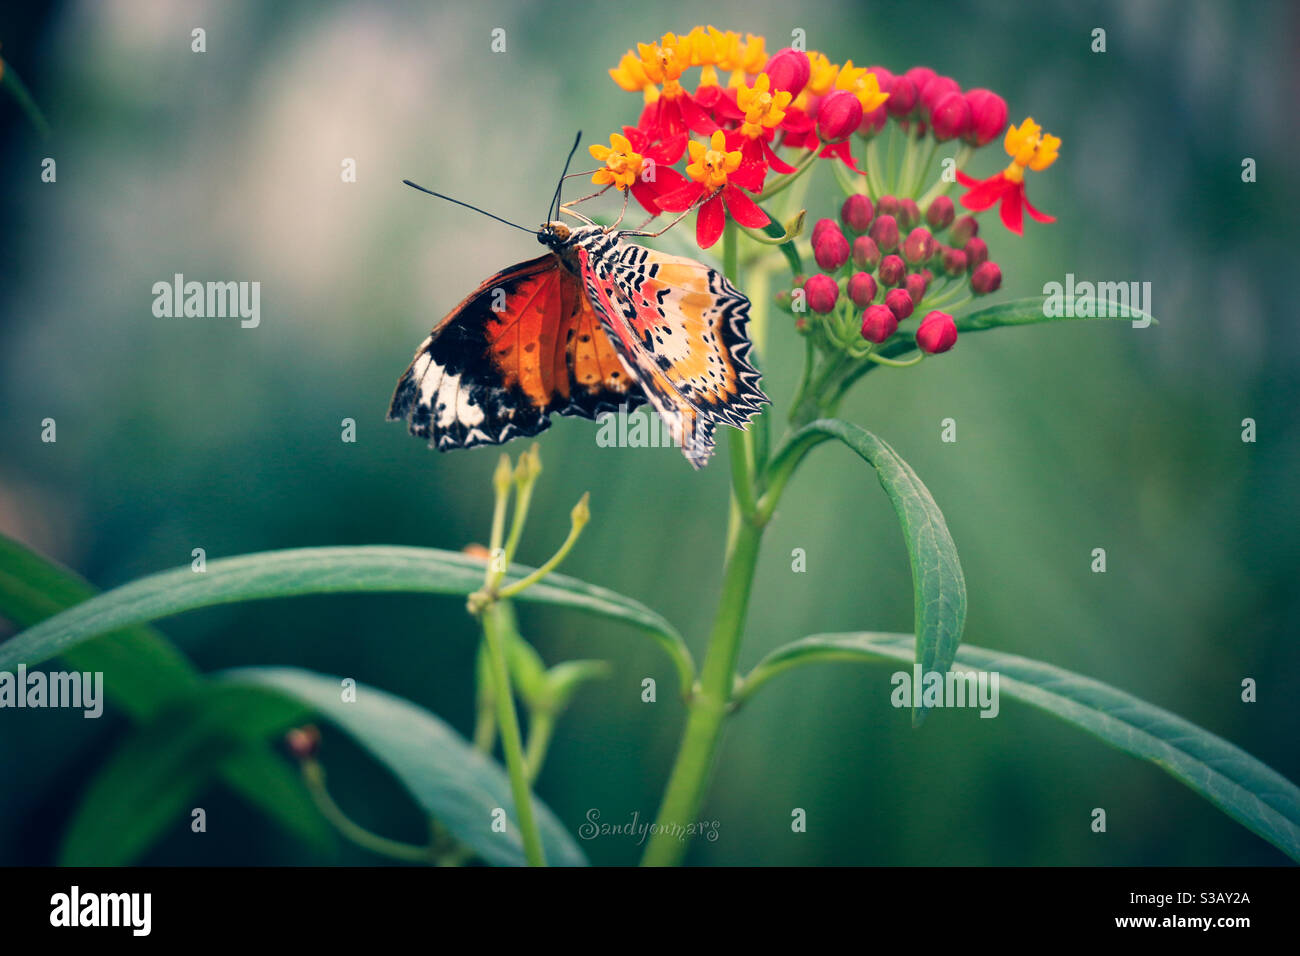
(541, 726)
(511, 743)
(313, 775)
(684, 795)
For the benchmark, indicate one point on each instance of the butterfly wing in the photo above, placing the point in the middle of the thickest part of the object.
(682, 326)
(524, 345)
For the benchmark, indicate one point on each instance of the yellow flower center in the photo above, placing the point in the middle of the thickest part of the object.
(622, 163)
(1028, 145)
(711, 164)
(861, 84)
(762, 108)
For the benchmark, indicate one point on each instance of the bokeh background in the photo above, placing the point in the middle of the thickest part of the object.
(183, 433)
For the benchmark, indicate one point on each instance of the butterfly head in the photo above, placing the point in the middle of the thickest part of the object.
(553, 234)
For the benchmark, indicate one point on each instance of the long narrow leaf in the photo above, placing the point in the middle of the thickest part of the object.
(1249, 791)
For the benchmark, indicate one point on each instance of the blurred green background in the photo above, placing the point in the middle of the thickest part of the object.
(183, 433)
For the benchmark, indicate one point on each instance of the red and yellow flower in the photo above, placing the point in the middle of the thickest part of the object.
(718, 177)
(1029, 148)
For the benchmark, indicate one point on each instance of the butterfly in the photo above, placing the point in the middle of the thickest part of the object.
(594, 324)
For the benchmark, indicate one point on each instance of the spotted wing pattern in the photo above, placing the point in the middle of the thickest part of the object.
(524, 345)
(682, 327)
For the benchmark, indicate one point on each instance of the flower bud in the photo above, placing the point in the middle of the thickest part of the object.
(935, 90)
(988, 116)
(838, 116)
(885, 231)
(938, 333)
(856, 213)
(900, 303)
(887, 206)
(909, 214)
(986, 278)
(940, 214)
(821, 225)
(916, 286)
(783, 301)
(963, 229)
(303, 742)
(918, 76)
(789, 70)
(862, 289)
(977, 253)
(822, 292)
(866, 254)
(919, 246)
(873, 122)
(878, 323)
(831, 249)
(954, 261)
(891, 270)
(950, 116)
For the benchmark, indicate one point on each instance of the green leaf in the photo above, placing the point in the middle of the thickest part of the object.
(10, 81)
(939, 587)
(452, 782)
(144, 674)
(564, 679)
(270, 574)
(1249, 791)
(1030, 311)
(152, 781)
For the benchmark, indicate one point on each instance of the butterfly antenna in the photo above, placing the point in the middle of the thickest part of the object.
(531, 232)
(555, 201)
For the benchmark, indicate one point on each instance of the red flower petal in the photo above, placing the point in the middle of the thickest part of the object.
(841, 151)
(1040, 216)
(711, 219)
(749, 175)
(967, 180)
(775, 161)
(726, 108)
(694, 116)
(681, 198)
(645, 194)
(743, 209)
(984, 194)
(1011, 211)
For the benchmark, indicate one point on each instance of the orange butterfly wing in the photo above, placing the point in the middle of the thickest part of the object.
(524, 345)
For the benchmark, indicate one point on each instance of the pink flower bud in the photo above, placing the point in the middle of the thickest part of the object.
(866, 254)
(303, 742)
(885, 231)
(977, 253)
(838, 116)
(856, 213)
(909, 214)
(986, 278)
(822, 292)
(950, 116)
(862, 289)
(988, 116)
(963, 229)
(900, 303)
(822, 225)
(789, 70)
(935, 90)
(918, 76)
(887, 206)
(878, 323)
(919, 246)
(831, 249)
(940, 214)
(954, 261)
(938, 333)
(873, 122)
(891, 270)
(902, 96)
(916, 285)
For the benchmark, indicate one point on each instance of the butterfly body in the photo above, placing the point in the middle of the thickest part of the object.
(594, 324)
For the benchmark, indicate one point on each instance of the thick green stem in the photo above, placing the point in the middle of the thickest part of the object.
(684, 795)
(494, 630)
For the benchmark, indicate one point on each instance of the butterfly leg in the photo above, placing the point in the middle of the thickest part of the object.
(623, 213)
(655, 235)
(574, 202)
